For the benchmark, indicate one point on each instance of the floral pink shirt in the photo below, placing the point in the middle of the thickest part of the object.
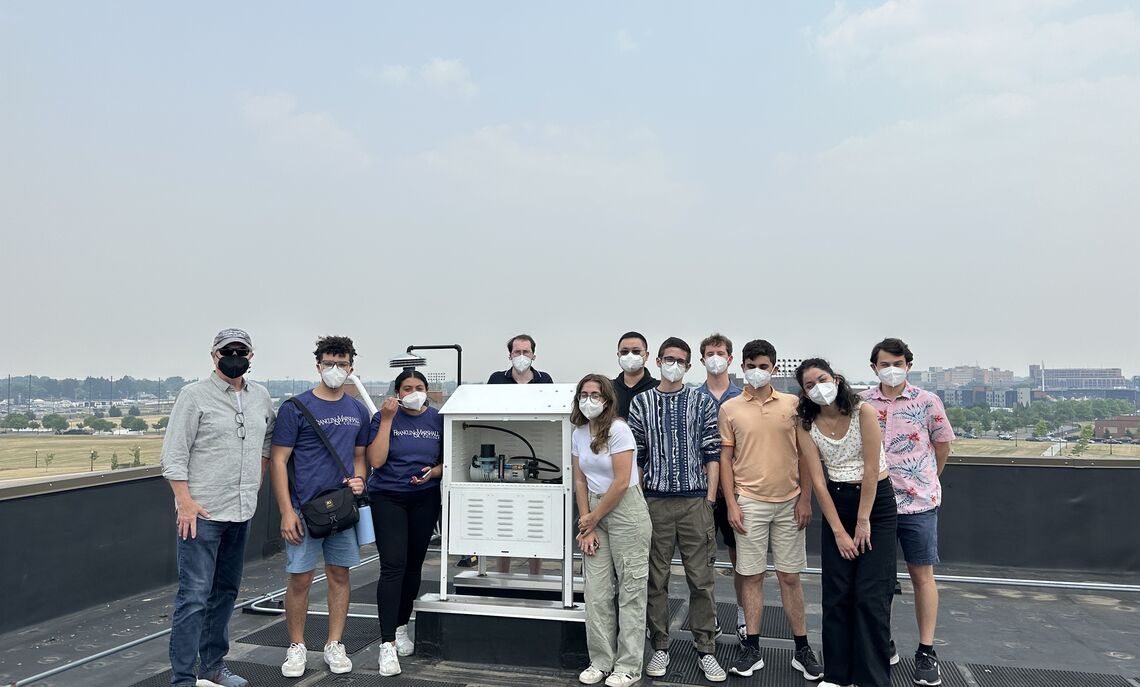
(911, 424)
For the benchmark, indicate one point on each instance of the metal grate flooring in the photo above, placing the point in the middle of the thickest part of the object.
(376, 680)
(902, 674)
(683, 668)
(358, 634)
(256, 673)
(1002, 676)
(773, 623)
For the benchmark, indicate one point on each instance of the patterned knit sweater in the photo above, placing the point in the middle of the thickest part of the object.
(676, 435)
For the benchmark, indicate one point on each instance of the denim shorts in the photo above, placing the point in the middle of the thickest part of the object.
(339, 548)
(918, 537)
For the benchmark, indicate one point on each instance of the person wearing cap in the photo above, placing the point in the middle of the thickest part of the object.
(213, 456)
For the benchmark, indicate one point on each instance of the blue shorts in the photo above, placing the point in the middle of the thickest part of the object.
(339, 548)
(918, 537)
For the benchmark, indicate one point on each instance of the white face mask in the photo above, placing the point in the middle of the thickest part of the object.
(716, 364)
(414, 400)
(824, 393)
(892, 376)
(673, 372)
(591, 408)
(757, 378)
(521, 363)
(333, 377)
(631, 362)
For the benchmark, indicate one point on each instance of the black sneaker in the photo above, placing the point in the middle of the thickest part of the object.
(804, 660)
(749, 661)
(894, 654)
(926, 668)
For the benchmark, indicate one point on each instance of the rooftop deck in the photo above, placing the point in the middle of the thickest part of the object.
(1046, 622)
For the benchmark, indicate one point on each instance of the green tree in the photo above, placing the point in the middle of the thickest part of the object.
(115, 411)
(135, 424)
(99, 413)
(55, 422)
(1083, 442)
(32, 424)
(1107, 433)
(15, 421)
(136, 453)
(114, 460)
(161, 422)
(30, 415)
(48, 459)
(98, 424)
(1041, 428)
(133, 410)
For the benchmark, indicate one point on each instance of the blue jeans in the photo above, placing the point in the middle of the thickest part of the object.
(209, 572)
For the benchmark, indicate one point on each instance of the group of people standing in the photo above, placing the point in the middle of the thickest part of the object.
(660, 465)
(657, 465)
(224, 434)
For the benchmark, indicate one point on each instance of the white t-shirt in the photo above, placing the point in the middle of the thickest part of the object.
(599, 468)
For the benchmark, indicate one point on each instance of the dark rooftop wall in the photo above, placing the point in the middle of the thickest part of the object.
(68, 550)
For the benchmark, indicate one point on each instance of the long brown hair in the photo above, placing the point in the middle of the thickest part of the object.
(600, 426)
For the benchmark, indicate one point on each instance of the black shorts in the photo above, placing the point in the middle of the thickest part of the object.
(720, 519)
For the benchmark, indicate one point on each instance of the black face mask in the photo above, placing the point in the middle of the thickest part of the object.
(233, 366)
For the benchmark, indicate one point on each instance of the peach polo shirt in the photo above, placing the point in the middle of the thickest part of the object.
(765, 459)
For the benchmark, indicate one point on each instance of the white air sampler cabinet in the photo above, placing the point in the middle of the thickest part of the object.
(507, 483)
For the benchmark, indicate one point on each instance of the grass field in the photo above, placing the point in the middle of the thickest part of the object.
(995, 447)
(71, 453)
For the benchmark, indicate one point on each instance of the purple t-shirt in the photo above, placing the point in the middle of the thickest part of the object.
(416, 443)
(345, 422)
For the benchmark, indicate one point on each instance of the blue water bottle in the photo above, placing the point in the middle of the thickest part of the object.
(365, 533)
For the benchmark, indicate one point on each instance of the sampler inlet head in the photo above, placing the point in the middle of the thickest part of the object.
(486, 450)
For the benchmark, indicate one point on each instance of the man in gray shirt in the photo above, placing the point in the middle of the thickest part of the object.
(214, 453)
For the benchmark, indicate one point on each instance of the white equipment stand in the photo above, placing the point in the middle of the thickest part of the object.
(529, 519)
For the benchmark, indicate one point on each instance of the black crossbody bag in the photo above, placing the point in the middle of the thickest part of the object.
(332, 510)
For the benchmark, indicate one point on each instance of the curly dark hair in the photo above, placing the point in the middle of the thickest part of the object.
(808, 410)
(335, 345)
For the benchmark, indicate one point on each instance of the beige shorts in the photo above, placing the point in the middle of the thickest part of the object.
(773, 523)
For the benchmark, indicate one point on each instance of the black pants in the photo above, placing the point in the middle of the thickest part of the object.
(857, 594)
(404, 522)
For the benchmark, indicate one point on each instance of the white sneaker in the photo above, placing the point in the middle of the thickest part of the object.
(295, 657)
(336, 658)
(712, 670)
(591, 676)
(658, 664)
(404, 644)
(389, 662)
(620, 680)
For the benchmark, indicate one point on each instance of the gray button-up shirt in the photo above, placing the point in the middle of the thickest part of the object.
(203, 446)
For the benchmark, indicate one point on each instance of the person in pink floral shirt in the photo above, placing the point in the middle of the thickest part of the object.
(916, 440)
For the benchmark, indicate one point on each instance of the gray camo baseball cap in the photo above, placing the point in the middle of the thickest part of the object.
(228, 336)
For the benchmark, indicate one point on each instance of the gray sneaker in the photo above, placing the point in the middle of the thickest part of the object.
(222, 677)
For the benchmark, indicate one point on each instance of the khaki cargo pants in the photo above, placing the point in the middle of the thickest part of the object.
(616, 639)
(685, 522)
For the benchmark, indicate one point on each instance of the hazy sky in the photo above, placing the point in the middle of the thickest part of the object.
(961, 174)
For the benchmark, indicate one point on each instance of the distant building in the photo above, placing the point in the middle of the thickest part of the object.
(1118, 426)
(787, 367)
(962, 375)
(1056, 379)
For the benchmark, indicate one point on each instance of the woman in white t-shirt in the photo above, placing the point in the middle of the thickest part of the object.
(840, 433)
(613, 533)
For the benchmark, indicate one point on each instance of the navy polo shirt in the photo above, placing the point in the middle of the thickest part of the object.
(504, 377)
